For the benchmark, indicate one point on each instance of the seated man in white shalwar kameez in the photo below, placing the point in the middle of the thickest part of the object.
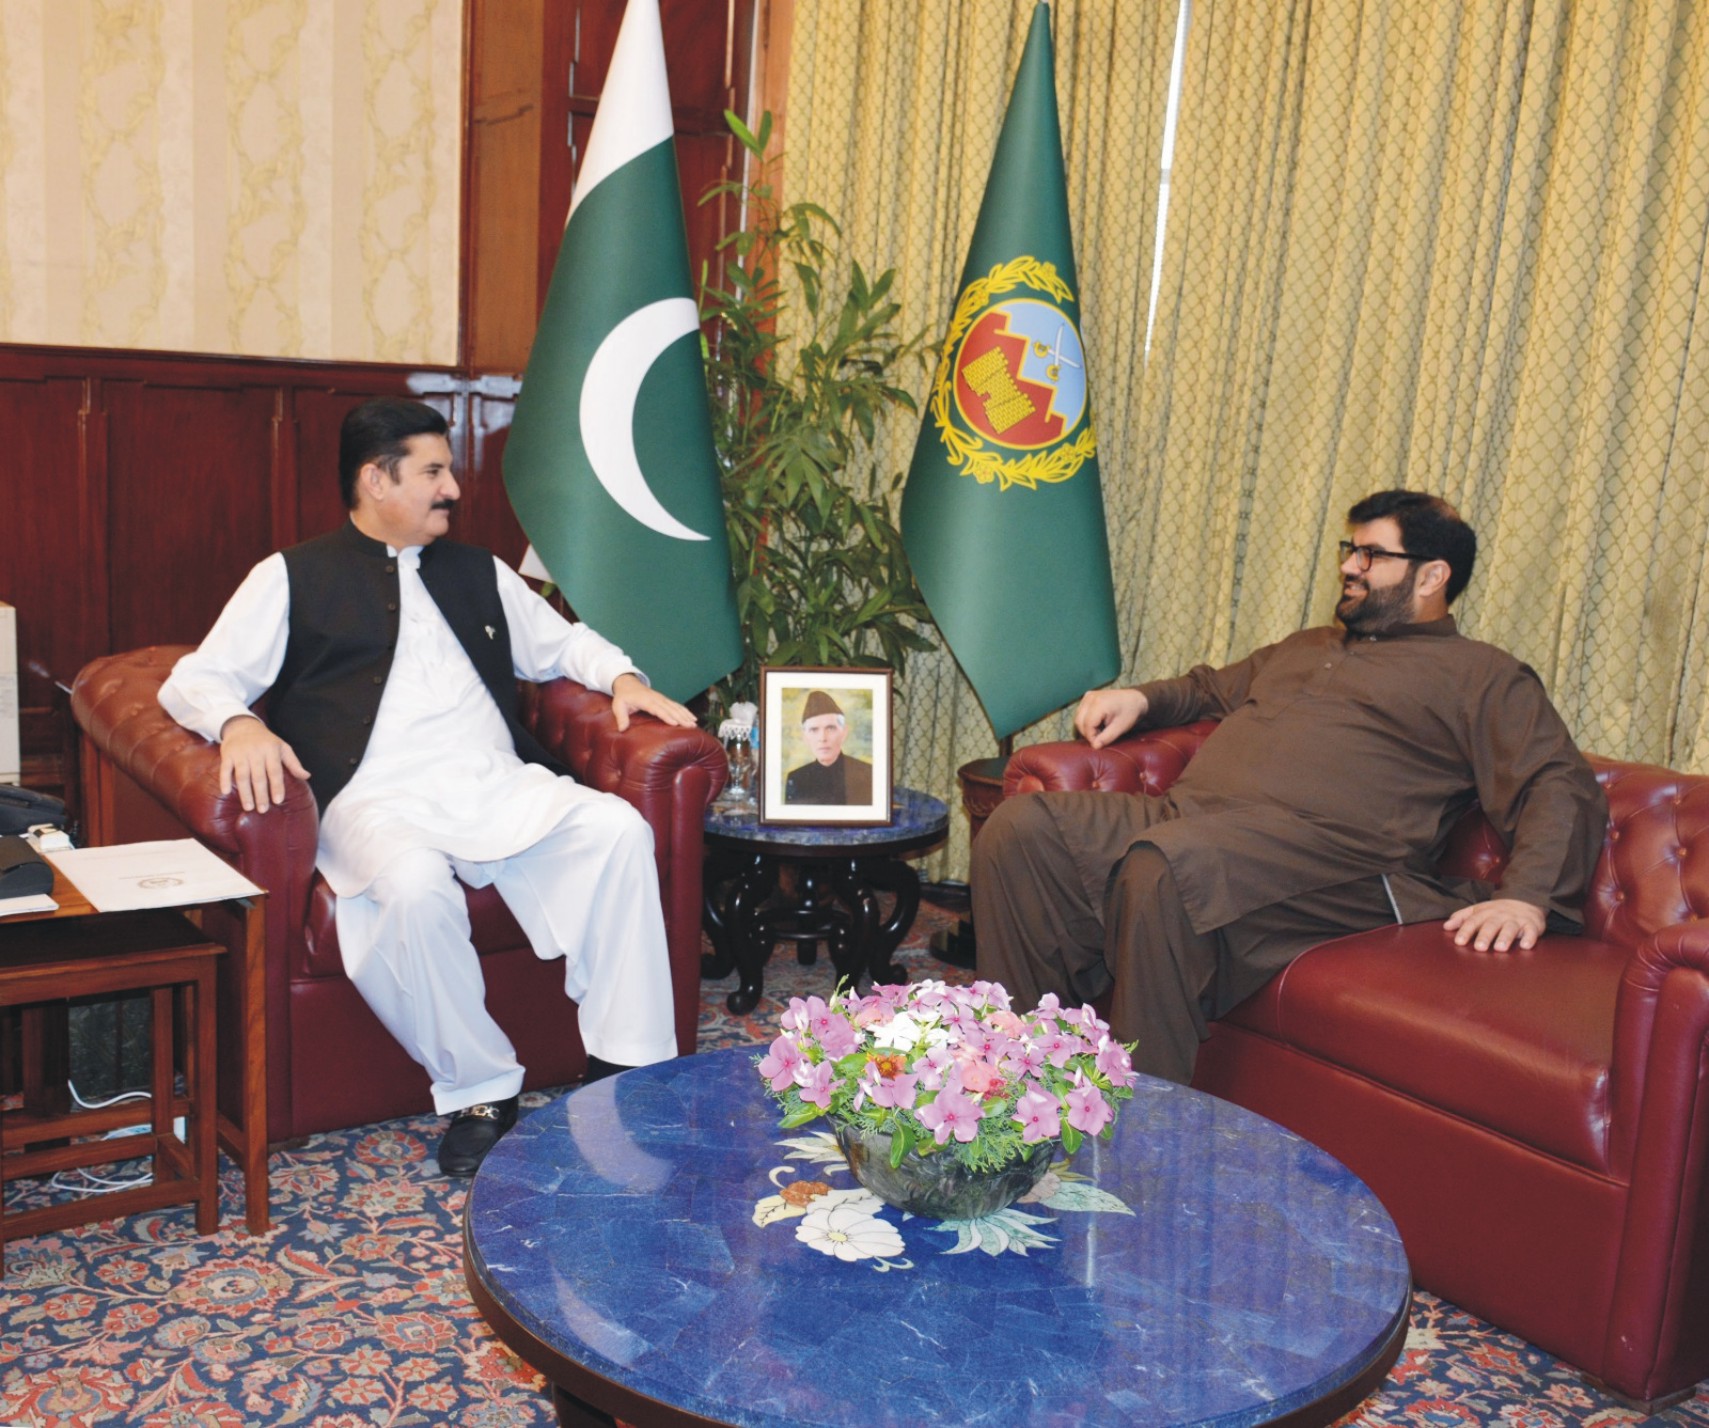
(390, 658)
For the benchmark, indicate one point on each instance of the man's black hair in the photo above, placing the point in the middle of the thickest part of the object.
(1429, 527)
(380, 430)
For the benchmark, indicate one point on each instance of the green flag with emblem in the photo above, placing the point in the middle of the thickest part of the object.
(609, 463)
(1003, 515)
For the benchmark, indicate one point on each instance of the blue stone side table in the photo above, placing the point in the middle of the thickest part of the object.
(664, 1254)
(839, 870)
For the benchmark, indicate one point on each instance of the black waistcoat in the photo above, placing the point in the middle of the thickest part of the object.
(344, 631)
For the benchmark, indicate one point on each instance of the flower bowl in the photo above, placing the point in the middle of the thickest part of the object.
(944, 1099)
(940, 1187)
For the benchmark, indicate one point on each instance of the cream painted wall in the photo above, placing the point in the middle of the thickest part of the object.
(276, 178)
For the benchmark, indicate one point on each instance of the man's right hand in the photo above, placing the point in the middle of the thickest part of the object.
(254, 760)
(1105, 715)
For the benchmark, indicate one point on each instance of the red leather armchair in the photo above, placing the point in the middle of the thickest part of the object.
(330, 1064)
(1537, 1122)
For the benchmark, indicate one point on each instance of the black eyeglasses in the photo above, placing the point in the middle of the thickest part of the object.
(1363, 555)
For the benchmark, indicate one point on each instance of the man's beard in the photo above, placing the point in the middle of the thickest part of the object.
(1377, 611)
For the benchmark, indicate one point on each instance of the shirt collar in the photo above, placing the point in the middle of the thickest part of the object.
(1444, 626)
(377, 548)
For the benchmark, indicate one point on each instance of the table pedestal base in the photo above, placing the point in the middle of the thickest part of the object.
(837, 903)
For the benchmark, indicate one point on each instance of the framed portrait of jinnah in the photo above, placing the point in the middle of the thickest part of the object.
(825, 745)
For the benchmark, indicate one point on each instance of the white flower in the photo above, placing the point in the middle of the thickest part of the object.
(901, 1033)
(850, 1231)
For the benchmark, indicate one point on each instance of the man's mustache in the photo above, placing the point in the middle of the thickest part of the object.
(448, 505)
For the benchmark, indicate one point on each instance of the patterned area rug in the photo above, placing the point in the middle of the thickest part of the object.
(352, 1312)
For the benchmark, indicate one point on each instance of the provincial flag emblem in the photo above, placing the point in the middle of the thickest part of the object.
(1010, 401)
(1020, 376)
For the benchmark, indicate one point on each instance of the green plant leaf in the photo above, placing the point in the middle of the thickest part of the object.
(749, 139)
(901, 1141)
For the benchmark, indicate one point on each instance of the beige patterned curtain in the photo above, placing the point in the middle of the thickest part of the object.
(1455, 246)
(893, 112)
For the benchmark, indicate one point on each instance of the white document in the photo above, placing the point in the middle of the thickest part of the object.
(170, 873)
(37, 902)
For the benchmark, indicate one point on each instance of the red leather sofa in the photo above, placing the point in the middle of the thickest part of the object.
(1537, 1122)
(330, 1064)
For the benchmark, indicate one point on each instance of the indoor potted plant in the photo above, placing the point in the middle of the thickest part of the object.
(803, 354)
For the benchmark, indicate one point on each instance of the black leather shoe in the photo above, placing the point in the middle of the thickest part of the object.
(474, 1131)
(598, 1070)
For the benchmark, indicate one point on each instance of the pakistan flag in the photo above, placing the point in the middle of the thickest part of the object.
(610, 463)
(1003, 517)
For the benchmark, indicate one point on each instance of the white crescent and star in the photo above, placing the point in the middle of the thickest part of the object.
(609, 390)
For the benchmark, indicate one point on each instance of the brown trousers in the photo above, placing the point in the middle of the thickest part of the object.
(1069, 898)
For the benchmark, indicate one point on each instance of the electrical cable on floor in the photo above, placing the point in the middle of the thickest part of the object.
(87, 1182)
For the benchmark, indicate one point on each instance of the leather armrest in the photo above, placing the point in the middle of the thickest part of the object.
(1142, 763)
(1661, 1030)
(642, 763)
(116, 702)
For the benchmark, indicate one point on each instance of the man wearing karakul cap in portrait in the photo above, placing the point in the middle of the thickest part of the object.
(832, 777)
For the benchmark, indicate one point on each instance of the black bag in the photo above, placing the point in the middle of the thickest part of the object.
(23, 808)
(23, 871)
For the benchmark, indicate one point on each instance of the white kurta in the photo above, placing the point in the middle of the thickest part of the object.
(441, 776)
(440, 771)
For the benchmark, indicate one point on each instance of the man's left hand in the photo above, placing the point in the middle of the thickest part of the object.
(1501, 923)
(630, 695)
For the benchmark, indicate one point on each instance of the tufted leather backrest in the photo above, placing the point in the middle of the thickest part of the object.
(1654, 869)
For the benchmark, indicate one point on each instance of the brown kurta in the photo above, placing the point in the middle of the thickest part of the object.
(1340, 756)
(1321, 804)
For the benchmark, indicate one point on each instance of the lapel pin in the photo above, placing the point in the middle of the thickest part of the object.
(490, 632)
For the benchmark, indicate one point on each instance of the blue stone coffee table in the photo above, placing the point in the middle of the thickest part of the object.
(840, 870)
(664, 1254)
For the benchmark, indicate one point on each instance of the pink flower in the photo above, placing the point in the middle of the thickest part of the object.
(1087, 1017)
(836, 1036)
(1088, 1111)
(797, 1014)
(980, 1077)
(873, 1012)
(815, 1083)
(1006, 1022)
(1025, 1058)
(1059, 1046)
(952, 1113)
(896, 1091)
(1038, 1115)
(780, 1063)
(993, 994)
(1115, 1063)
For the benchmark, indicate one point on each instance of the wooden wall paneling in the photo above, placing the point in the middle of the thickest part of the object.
(190, 502)
(282, 483)
(506, 67)
(487, 518)
(45, 541)
(708, 48)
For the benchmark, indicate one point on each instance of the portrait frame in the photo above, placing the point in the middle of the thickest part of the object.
(797, 785)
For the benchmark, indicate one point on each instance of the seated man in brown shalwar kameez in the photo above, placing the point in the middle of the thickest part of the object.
(1319, 806)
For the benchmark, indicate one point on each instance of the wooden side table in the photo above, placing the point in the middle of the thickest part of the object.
(44, 966)
(840, 872)
(239, 925)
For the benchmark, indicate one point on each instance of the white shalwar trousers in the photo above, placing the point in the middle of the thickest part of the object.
(588, 892)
